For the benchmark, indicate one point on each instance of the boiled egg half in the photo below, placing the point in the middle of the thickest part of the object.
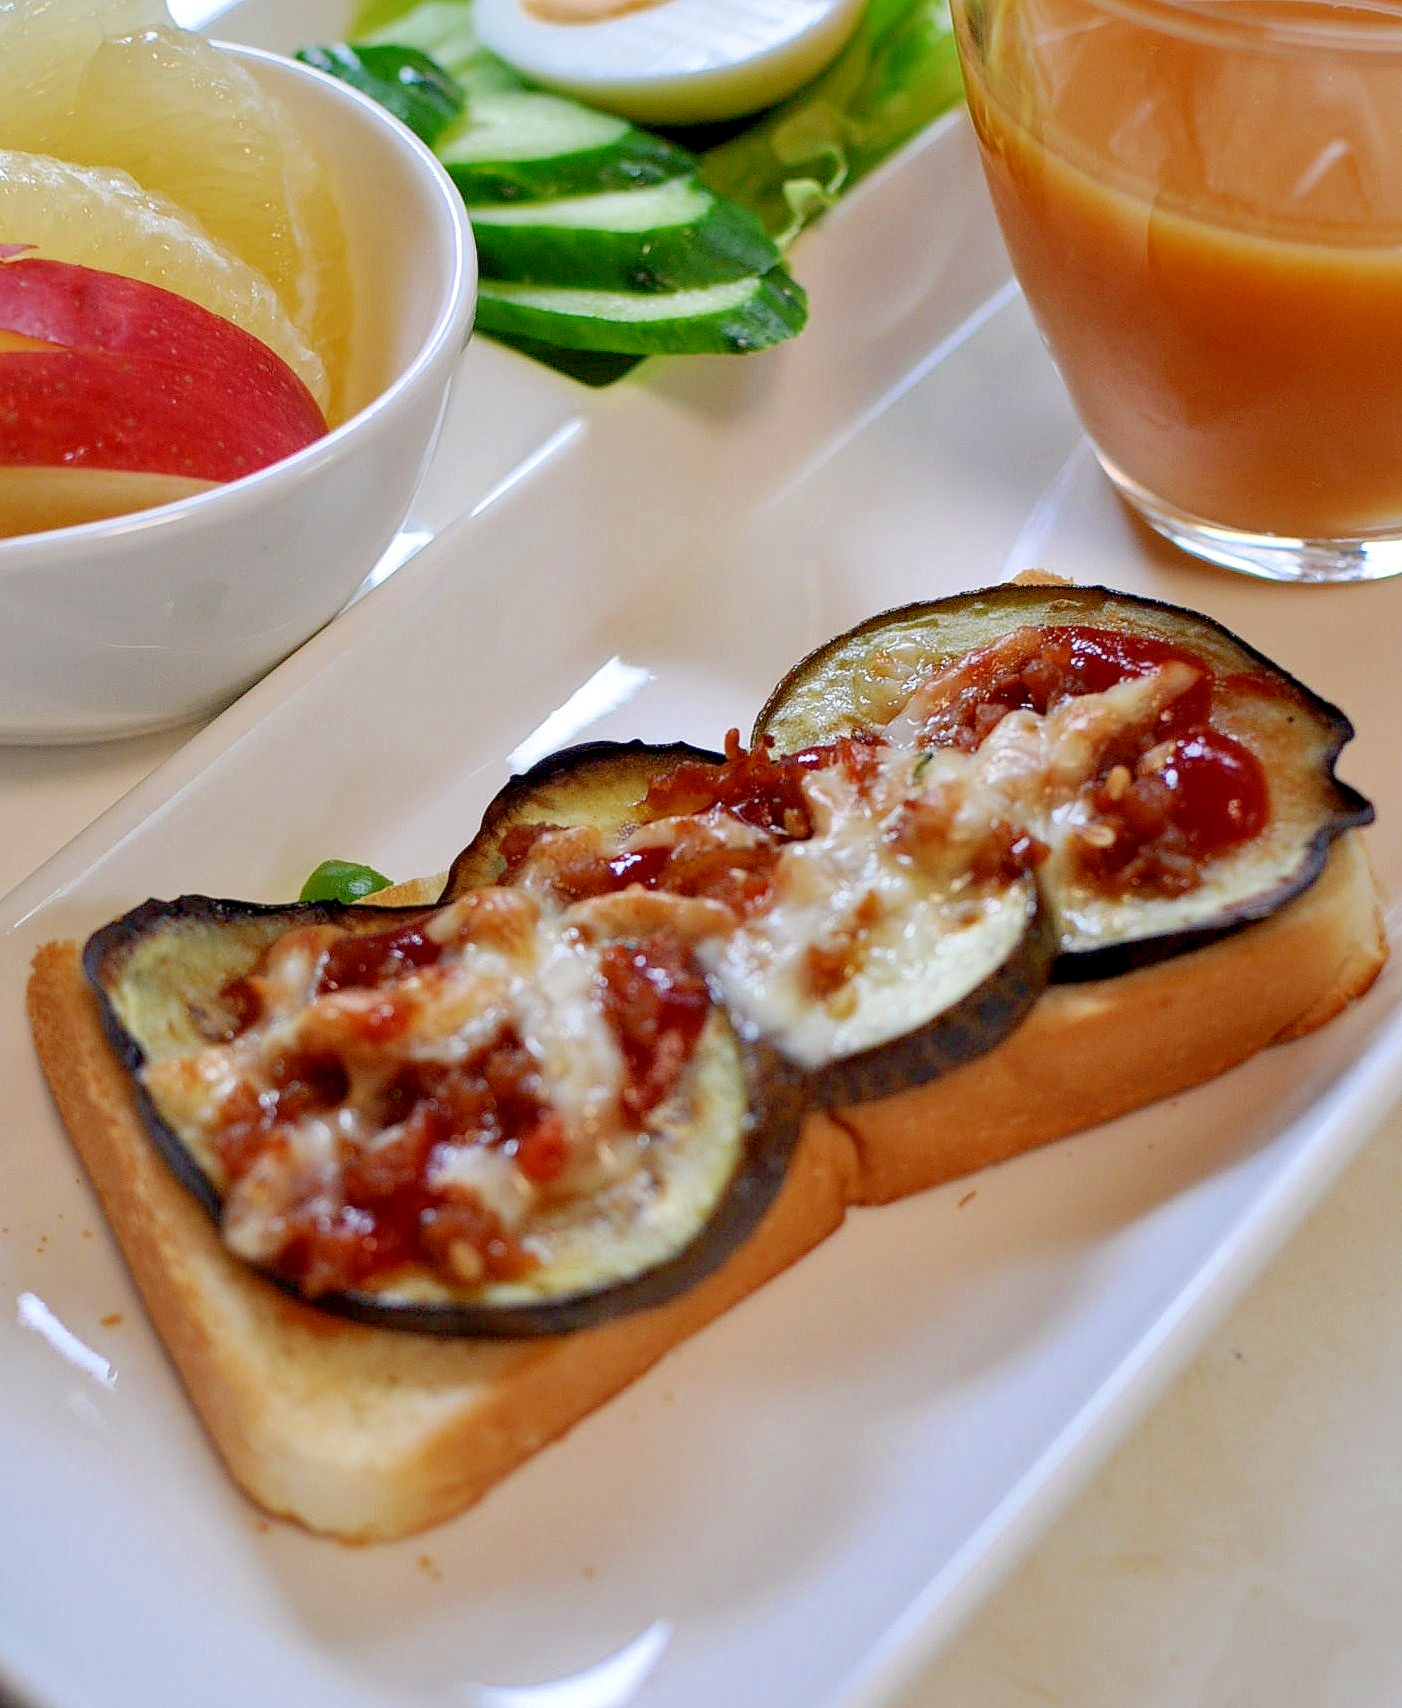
(669, 62)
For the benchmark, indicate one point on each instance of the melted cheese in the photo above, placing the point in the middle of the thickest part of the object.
(698, 833)
(884, 891)
(908, 942)
(488, 1175)
(540, 980)
(877, 923)
(566, 1033)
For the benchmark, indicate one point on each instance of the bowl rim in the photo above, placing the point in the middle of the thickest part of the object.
(448, 334)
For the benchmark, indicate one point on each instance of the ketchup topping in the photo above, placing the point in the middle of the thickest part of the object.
(1038, 669)
(657, 1003)
(240, 997)
(739, 877)
(1219, 789)
(1187, 802)
(1169, 797)
(389, 1214)
(757, 787)
(642, 866)
(751, 785)
(360, 961)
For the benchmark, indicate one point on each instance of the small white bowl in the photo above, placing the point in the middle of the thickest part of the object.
(145, 621)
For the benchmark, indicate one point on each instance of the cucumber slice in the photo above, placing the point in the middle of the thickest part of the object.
(517, 145)
(742, 315)
(521, 125)
(595, 368)
(596, 240)
(405, 82)
(443, 30)
(667, 237)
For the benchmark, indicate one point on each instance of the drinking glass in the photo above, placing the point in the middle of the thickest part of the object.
(1202, 200)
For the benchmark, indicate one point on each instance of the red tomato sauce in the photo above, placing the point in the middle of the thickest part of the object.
(389, 1215)
(739, 877)
(1173, 796)
(1038, 670)
(657, 1003)
(359, 961)
(757, 787)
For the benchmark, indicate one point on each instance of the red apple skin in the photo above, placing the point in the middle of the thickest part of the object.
(101, 409)
(143, 380)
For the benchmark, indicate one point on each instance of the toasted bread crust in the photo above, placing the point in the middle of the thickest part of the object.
(1090, 1052)
(367, 1433)
(363, 1433)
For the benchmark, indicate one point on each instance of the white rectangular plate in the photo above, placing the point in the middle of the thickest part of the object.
(797, 1506)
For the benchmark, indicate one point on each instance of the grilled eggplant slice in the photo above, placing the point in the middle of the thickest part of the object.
(602, 783)
(396, 1217)
(867, 967)
(1182, 783)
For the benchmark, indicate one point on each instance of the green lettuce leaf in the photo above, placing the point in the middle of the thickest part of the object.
(897, 74)
(342, 880)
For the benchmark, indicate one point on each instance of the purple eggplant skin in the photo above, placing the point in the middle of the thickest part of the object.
(819, 699)
(601, 783)
(109, 951)
(220, 940)
(605, 784)
(972, 1027)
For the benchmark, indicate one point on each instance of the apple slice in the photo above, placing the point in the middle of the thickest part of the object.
(34, 500)
(105, 374)
(18, 341)
(82, 308)
(95, 408)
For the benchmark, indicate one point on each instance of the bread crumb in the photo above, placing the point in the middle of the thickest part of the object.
(1037, 577)
(429, 1567)
(111, 1320)
(968, 1198)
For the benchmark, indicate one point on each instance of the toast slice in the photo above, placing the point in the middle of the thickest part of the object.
(1089, 1052)
(363, 1433)
(367, 1433)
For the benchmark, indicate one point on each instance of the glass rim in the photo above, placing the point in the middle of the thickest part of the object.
(1362, 26)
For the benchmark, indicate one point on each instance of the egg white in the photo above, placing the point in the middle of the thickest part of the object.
(677, 61)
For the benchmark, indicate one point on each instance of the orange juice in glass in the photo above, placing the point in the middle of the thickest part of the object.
(1202, 200)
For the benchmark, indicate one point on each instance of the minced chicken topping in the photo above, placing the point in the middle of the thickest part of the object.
(411, 1097)
(824, 885)
(415, 1096)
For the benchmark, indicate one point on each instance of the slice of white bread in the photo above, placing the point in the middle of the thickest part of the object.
(369, 1433)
